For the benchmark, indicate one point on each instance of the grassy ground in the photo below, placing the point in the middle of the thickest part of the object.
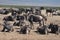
(33, 35)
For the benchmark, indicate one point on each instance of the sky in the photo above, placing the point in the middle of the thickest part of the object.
(31, 2)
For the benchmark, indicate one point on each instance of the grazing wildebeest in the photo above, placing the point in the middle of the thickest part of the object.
(7, 26)
(16, 24)
(8, 18)
(49, 11)
(36, 18)
(54, 28)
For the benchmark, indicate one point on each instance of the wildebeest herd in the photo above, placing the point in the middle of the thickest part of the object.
(25, 18)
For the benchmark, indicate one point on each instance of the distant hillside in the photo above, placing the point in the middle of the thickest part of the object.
(20, 6)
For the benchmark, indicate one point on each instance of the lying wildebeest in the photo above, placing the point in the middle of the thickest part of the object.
(37, 18)
(4, 11)
(25, 29)
(42, 29)
(7, 26)
(8, 18)
(54, 28)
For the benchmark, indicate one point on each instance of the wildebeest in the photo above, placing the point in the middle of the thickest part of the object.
(29, 10)
(49, 11)
(25, 29)
(8, 18)
(54, 28)
(58, 12)
(7, 26)
(18, 17)
(36, 18)
(4, 11)
(42, 29)
(37, 12)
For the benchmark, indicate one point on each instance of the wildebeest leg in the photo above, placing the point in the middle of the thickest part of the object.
(32, 26)
(3, 29)
(8, 30)
(40, 24)
(20, 31)
(46, 30)
(12, 29)
(47, 14)
(58, 31)
(43, 22)
(26, 17)
(28, 31)
(52, 14)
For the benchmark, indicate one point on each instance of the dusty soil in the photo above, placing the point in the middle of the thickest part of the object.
(33, 35)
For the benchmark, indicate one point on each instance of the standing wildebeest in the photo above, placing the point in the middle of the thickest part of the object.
(36, 18)
(49, 12)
